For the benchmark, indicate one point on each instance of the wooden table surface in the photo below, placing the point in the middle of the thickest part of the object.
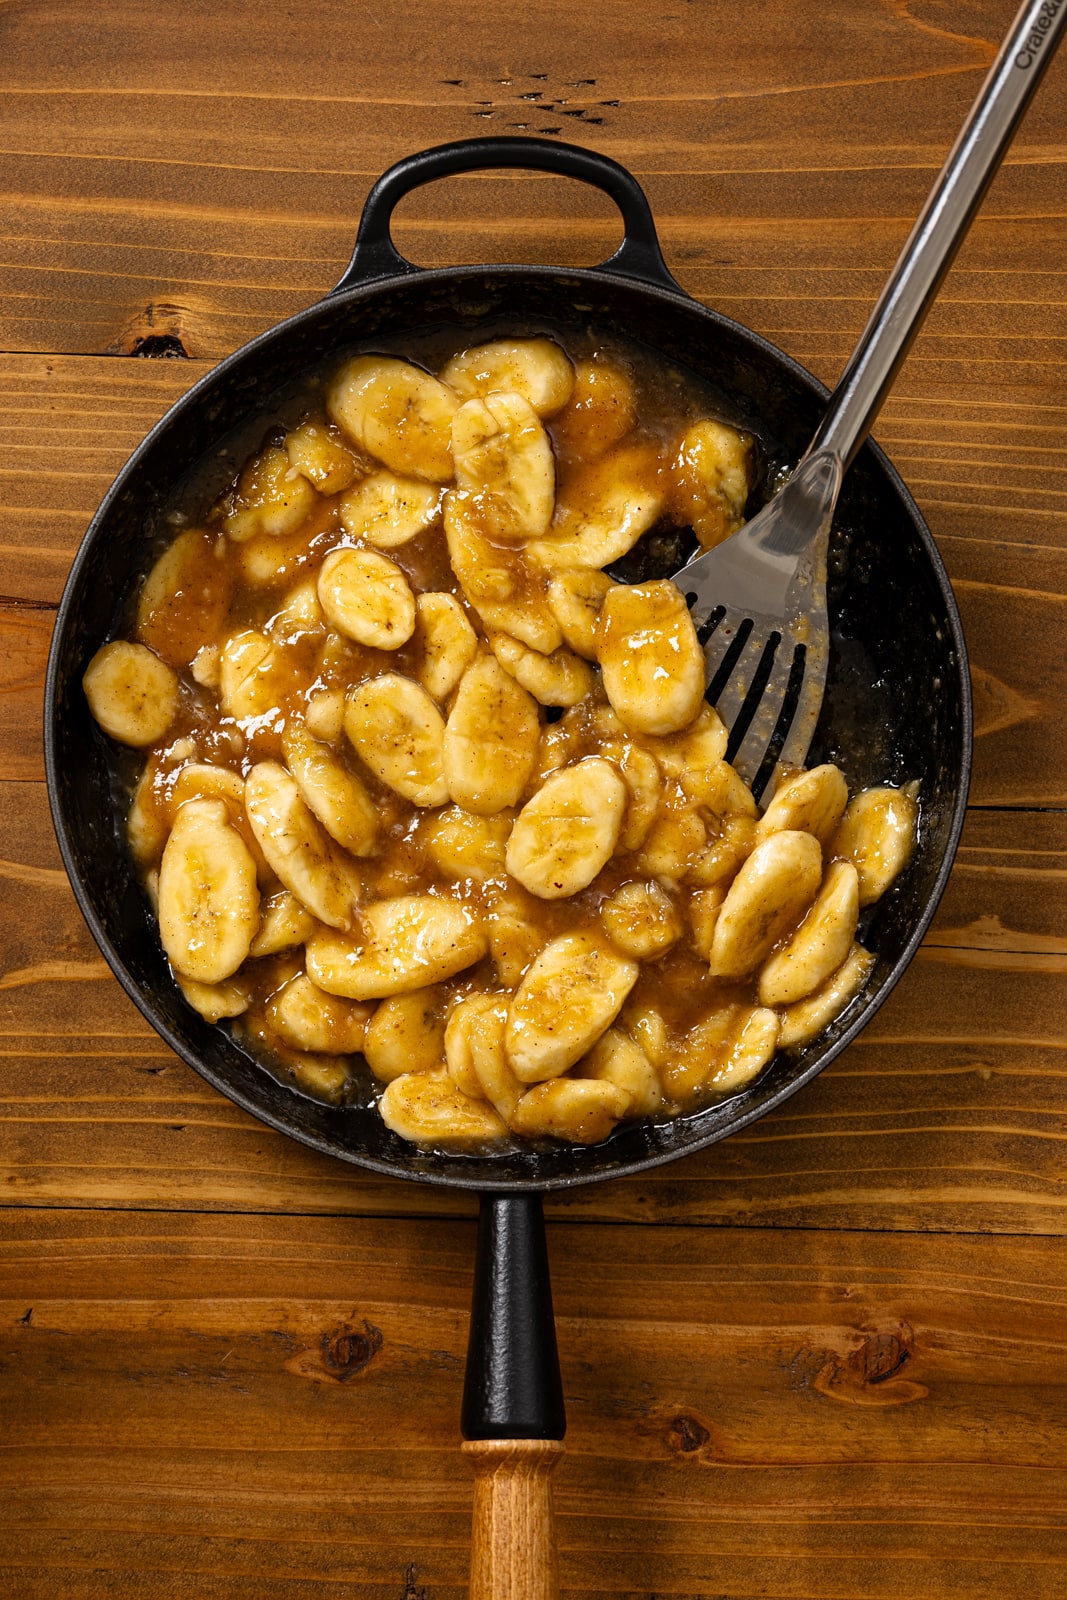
(823, 1360)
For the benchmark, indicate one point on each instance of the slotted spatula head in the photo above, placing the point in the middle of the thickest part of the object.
(759, 605)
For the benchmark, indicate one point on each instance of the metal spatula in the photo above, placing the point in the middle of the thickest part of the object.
(759, 599)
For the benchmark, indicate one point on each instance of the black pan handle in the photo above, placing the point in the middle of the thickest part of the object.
(375, 255)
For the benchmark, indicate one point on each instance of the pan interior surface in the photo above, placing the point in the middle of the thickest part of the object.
(896, 707)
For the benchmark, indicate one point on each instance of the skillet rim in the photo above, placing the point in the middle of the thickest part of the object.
(436, 1169)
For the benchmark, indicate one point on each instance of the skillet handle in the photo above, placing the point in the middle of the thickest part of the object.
(375, 255)
(513, 1415)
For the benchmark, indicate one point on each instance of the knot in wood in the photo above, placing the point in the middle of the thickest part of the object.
(882, 1353)
(688, 1434)
(347, 1350)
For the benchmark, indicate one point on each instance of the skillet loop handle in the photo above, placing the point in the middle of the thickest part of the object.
(375, 255)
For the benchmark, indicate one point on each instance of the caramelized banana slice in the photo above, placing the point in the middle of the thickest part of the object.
(618, 1059)
(367, 598)
(459, 1055)
(812, 801)
(711, 472)
(408, 943)
(693, 752)
(184, 598)
(447, 643)
(575, 598)
(802, 1022)
(768, 897)
(650, 656)
(569, 830)
(388, 511)
(462, 844)
(644, 783)
(877, 834)
(297, 847)
(252, 676)
(561, 679)
(536, 369)
(285, 923)
(819, 945)
(573, 991)
(216, 1001)
(309, 1019)
(493, 1071)
(399, 732)
(516, 937)
(602, 510)
(273, 498)
(319, 453)
(640, 919)
(335, 795)
(406, 1034)
(208, 897)
(602, 410)
(676, 840)
(504, 465)
(427, 1108)
(490, 739)
(749, 1046)
(131, 693)
(498, 582)
(581, 1110)
(397, 413)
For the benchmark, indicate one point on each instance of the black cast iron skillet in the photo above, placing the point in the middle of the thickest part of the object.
(897, 708)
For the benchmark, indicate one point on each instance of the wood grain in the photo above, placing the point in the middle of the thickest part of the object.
(211, 1404)
(946, 1113)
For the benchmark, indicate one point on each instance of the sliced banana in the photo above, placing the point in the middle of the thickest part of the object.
(459, 1054)
(536, 369)
(252, 676)
(801, 1022)
(490, 739)
(748, 1048)
(427, 1108)
(216, 1001)
(319, 452)
(650, 656)
(462, 844)
(618, 1059)
(573, 991)
(772, 891)
(132, 693)
(721, 789)
(703, 910)
(602, 510)
(299, 614)
(718, 865)
(208, 896)
(324, 715)
(335, 795)
(812, 801)
(273, 498)
(561, 679)
(877, 834)
(367, 598)
(516, 936)
(693, 752)
(446, 641)
(200, 780)
(397, 730)
(689, 1060)
(644, 783)
(284, 924)
(582, 1110)
(496, 1076)
(266, 561)
(820, 944)
(505, 467)
(575, 598)
(309, 1019)
(676, 840)
(388, 510)
(569, 830)
(498, 582)
(297, 847)
(397, 413)
(601, 412)
(185, 598)
(711, 474)
(149, 816)
(407, 943)
(641, 920)
(407, 1034)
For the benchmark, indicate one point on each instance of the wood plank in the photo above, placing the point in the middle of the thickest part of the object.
(948, 1112)
(251, 1406)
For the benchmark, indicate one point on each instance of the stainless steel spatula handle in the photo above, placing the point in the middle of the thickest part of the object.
(942, 223)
